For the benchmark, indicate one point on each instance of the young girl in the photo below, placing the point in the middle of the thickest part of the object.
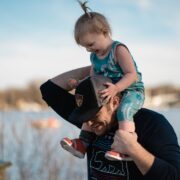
(112, 59)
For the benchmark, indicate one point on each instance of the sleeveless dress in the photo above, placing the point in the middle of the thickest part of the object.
(132, 97)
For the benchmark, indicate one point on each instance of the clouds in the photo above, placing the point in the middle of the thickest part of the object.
(158, 62)
(144, 4)
(24, 60)
(141, 4)
(36, 38)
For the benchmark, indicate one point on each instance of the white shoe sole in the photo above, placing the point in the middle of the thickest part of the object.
(68, 147)
(115, 158)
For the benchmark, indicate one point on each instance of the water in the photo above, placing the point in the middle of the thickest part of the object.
(173, 116)
(36, 154)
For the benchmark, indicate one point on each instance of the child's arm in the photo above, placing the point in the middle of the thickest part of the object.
(125, 61)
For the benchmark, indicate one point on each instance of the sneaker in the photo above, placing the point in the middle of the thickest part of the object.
(74, 146)
(115, 156)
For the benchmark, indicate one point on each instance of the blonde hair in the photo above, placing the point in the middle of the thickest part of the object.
(90, 22)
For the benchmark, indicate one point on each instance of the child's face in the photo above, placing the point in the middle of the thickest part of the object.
(96, 43)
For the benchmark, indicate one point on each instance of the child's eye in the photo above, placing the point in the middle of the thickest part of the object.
(90, 45)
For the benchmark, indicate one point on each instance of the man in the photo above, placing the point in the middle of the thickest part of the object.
(155, 154)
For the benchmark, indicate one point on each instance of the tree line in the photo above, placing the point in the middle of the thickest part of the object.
(31, 94)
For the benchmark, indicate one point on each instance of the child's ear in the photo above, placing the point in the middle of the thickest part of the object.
(105, 32)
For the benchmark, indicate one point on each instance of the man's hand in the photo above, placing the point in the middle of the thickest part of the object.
(72, 83)
(124, 141)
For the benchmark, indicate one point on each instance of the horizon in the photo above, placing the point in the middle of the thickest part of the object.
(36, 38)
(38, 82)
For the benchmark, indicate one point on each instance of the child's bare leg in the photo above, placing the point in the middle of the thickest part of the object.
(127, 125)
(86, 135)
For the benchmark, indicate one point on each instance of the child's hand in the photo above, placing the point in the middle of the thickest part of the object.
(109, 92)
(72, 83)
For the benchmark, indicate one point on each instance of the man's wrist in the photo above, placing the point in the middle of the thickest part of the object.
(142, 158)
(134, 149)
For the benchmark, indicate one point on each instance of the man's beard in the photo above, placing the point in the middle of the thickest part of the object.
(112, 125)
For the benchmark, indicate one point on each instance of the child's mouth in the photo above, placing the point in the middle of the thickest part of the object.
(97, 51)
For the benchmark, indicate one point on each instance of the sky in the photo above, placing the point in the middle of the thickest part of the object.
(37, 43)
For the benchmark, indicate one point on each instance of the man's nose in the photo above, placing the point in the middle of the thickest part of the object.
(89, 123)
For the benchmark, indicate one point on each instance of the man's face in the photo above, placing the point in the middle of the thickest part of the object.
(102, 121)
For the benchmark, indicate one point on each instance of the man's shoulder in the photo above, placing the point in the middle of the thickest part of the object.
(148, 114)
(149, 118)
(151, 122)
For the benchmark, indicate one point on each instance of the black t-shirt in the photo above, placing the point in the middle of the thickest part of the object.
(156, 135)
(154, 132)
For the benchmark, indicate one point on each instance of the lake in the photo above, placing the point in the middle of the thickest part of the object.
(36, 154)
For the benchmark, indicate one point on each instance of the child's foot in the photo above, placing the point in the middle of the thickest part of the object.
(75, 146)
(115, 156)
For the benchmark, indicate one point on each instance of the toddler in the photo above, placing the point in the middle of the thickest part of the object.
(111, 59)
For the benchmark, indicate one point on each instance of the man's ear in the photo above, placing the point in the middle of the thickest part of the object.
(115, 102)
